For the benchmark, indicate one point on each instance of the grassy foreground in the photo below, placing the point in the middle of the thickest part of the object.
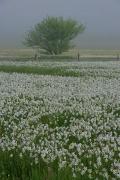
(14, 167)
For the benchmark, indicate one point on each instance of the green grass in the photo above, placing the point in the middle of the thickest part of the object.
(38, 70)
(15, 168)
(53, 71)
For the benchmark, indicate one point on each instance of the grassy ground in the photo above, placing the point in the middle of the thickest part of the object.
(39, 70)
(23, 53)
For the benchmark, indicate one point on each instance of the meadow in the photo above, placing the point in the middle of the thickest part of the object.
(59, 120)
(28, 53)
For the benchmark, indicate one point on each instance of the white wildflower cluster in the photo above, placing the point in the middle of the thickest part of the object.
(73, 120)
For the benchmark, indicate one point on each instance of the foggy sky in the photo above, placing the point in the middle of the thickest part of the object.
(101, 17)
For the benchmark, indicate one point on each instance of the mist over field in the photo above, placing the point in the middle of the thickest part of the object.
(101, 18)
(59, 105)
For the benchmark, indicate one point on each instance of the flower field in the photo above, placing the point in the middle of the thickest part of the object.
(60, 128)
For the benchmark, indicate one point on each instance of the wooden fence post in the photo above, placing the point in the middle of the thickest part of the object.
(118, 57)
(78, 56)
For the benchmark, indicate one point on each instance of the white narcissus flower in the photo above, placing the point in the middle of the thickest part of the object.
(75, 120)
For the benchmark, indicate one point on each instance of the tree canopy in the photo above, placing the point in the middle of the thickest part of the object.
(54, 34)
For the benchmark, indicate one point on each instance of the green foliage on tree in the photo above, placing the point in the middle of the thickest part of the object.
(54, 34)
